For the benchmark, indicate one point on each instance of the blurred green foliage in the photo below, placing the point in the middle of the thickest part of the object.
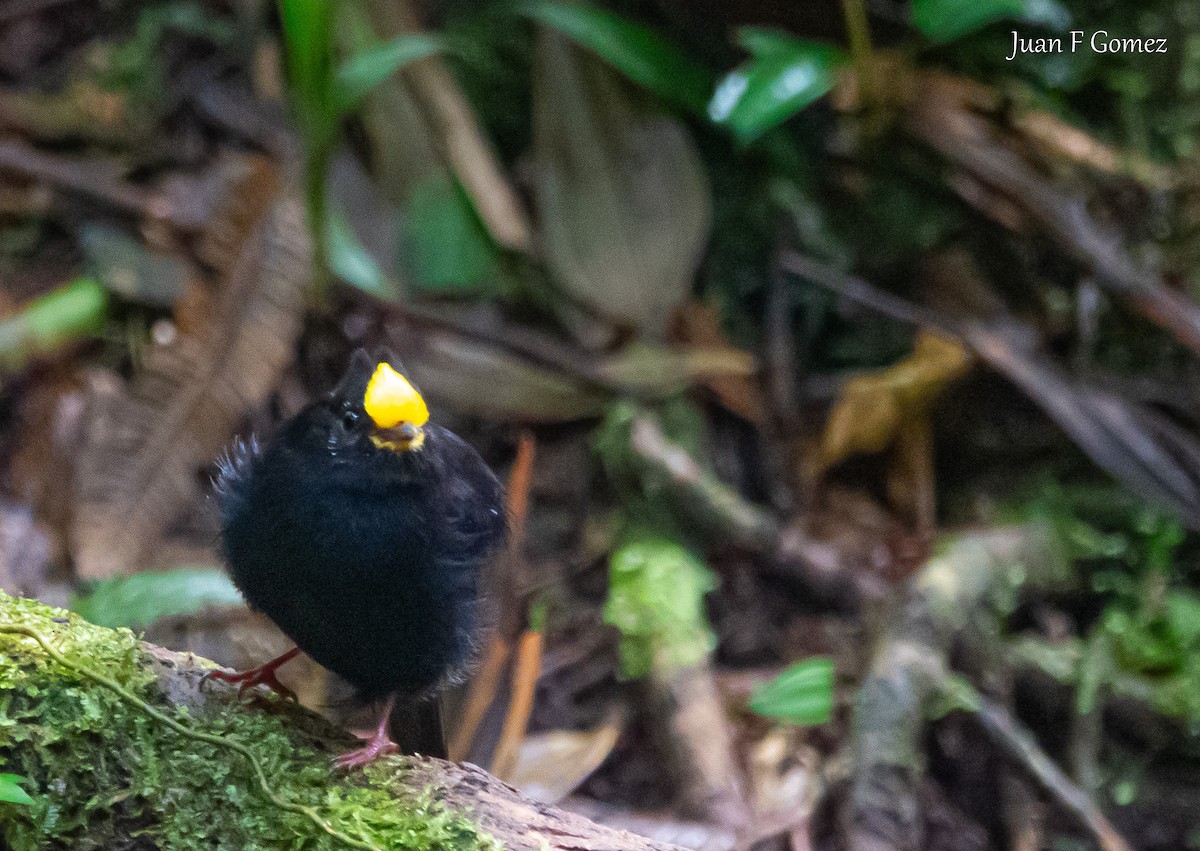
(137, 66)
(140, 599)
(322, 92)
(637, 51)
(72, 312)
(947, 20)
(656, 600)
(1150, 622)
(439, 214)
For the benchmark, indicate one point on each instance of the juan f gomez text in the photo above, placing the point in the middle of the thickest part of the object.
(1099, 41)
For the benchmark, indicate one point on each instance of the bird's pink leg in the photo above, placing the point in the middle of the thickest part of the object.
(379, 745)
(263, 675)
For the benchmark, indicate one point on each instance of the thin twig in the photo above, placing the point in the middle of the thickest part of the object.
(725, 511)
(865, 293)
(859, 32)
(1021, 746)
(94, 179)
(945, 119)
(527, 667)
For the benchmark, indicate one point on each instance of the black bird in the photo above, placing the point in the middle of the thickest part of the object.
(361, 530)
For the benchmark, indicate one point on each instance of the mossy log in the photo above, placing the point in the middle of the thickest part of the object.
(957, 593)
(957, 598)
(121, 747)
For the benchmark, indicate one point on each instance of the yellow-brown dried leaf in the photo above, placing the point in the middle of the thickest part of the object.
(874, 407)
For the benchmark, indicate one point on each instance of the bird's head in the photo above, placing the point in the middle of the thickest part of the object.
(375, 400)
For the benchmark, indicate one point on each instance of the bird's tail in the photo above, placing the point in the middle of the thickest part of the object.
(416, 727)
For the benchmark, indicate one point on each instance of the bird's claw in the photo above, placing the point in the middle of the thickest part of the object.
(263, 675)
(368, 753)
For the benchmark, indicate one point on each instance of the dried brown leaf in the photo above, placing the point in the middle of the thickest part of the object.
(700, 325)
(139, 465)
(480, 378)
(553, 764)
(874, 407)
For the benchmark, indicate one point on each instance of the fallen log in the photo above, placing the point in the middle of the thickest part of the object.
(121, 744)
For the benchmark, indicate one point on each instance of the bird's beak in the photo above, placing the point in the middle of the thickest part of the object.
(397, 410)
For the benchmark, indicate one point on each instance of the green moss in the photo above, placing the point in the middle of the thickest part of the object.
(103, 771)
(656, 590)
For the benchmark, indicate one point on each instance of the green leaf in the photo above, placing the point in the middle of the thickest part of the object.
(803, 694)
(637, 51)
(784, 76)
(361, 73)
(307, 31)
(621, 188)
(947, 20)
(1183, 618)
(10, 792)
(656, 592)
(955, 694)
(445, 246)
(143, 598)
(349, 260)
(76, 310)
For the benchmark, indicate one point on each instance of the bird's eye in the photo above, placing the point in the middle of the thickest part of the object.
(349, 420)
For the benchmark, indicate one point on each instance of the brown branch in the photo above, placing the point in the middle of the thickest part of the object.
(1020, 745)
(908, 676)
(944, 118)
(727, 518)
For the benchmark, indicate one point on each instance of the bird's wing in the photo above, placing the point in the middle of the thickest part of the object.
(472, 499)
(234, 464)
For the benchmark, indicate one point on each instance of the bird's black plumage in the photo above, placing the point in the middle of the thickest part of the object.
(368, 558)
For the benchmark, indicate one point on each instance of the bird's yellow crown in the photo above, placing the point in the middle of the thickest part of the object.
(391, 400)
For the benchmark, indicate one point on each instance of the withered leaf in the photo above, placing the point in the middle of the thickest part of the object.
(146, 442)
(478, 378)
(700, 325)
(874, 407)
(622, 194)
(551, 765)
(657, 371)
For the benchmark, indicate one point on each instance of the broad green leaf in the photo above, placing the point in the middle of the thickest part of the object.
(444, 245)
(803, 694)
(622, 191)
(10, 792)
(783, 76)
(637, 51)
(143, 598)
(656, 592)
(349, 260)
(947, 20)
(361, 73)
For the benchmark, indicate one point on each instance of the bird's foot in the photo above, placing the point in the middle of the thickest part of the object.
(263, 675)
(378, 746)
